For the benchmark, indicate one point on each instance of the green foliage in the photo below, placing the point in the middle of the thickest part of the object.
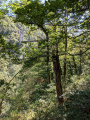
(38, 92)
(29, 93)
(78, 101)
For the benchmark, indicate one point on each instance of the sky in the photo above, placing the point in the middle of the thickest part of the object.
(41, 0)
(7, 1)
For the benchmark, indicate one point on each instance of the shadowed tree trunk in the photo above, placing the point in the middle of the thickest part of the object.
(0, 107)
(65, 58)
(57, 70)
(58, 73)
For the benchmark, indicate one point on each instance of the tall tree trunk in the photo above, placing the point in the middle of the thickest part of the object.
(57, 70)
(58, 73)
(65, 67)
(65, 59)
(48, 71)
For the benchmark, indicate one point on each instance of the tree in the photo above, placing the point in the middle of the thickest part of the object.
(66, 15)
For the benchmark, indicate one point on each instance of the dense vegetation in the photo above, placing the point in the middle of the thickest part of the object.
(45, 60)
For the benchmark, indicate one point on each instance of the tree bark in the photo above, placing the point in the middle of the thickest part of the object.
(65, 67)
(65, 59)
(58, 73)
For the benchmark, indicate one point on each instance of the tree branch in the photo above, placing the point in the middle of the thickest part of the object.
(79, 53)
(78, 35)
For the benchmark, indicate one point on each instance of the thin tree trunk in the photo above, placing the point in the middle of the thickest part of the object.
(65, 59)
(65, 67)
(48, 71)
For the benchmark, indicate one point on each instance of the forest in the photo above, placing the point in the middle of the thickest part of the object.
(44, 59)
